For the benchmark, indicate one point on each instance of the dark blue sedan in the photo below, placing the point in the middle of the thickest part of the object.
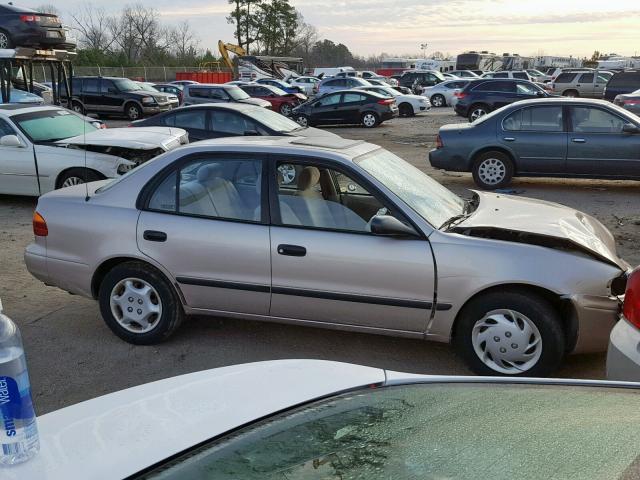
(23, 27)
(555, 137)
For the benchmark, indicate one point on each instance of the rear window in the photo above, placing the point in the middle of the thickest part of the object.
(496, 86)
(625, 80)
(566, 77)
(521, 75)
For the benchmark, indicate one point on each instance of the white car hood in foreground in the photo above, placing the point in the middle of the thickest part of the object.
(119, 434)
(143, 138)
(545, 219)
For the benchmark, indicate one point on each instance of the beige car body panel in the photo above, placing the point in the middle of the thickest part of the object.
(84, 235)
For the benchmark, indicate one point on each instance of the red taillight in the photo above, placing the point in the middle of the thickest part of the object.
(631, 102)
(386, 101)
(29, 18)
(39, 225)
(439, 143)
(460, 95)
(631, 309)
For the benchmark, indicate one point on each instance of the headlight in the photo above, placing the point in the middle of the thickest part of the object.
(148, 100)
(124, 168)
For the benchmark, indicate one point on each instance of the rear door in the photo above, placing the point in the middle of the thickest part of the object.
(597, 145)
(537, 137)
(194, 120)
(352, 105)
(585, 84)
(327, 266)
(215, 241)
(91, 96)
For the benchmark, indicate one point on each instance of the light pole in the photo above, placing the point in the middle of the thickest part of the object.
(423, 47)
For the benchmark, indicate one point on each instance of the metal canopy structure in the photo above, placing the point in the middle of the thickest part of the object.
(17, 64)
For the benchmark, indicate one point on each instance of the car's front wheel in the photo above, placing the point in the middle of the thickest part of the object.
(133, 111)
(493, 170)
(508, 333)
(138, 304)
(405, 110)
(369, 120)
(302, 120)
(438, 101)
(285, 109)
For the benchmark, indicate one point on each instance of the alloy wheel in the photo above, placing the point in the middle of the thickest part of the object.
(437, 101)
(4, 40)
(135, 305)
(492, 171)
(285, 109)
(70, 181)
(507, 341)
(477, 113)
(133, 113)
(302, 121)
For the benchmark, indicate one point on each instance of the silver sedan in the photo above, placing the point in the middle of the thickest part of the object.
(443, 94)
(361, 241)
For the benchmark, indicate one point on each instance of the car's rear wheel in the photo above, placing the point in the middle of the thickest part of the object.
(5, 40)
(405, 110)
(303, 120)
(493, 170)
(477, 111)
(133, 111)
(570, 93)
(438, 101)
(77, 107)
(285, 109)
(369, 120)
(77, 176)
(508, 333)
(138, 304)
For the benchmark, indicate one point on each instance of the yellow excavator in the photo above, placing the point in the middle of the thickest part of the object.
(225, 48)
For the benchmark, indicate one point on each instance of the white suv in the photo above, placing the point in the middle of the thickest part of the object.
(519, 74)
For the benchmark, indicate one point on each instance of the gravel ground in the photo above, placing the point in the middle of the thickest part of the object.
(73, 357)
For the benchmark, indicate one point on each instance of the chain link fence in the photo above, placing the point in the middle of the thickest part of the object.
(147, 74)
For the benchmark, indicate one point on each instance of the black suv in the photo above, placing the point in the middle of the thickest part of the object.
(23, 27)
(480, 97)
(115, 96)
(621, 83)
(416, 80)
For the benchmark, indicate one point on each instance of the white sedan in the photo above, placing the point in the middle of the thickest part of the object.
(408, 104)
(319, 420)
(45, 148)
(305, 83)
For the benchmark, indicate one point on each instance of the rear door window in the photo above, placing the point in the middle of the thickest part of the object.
(233, 123)
(521, 75)
(90, 85)
(566, 77)
(535, 119)
(586, 78)
(354, 98)
(199, 92)
(191, 119)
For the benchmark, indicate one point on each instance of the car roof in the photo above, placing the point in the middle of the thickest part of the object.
(210, 85)
(12, 109)
(237, 106)
(563, 101)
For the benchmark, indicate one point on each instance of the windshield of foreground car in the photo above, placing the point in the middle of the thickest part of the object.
(52, 125)
(433, 202)
(433, 431)
(273, 120)
(237, 93)
(126, 85)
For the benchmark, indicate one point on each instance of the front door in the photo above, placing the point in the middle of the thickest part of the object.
(111, 98)
(17, 166)
(537, 137)
(327, 109)
(328, 267)
(598, 147)
(215, 241)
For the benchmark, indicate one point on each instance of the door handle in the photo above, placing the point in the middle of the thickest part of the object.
(509, 139)
(154, 236)
(292, 250)
(578, 140)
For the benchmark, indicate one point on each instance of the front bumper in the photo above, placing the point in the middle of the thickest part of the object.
(151, 109)
(595, 316)
(623, 356)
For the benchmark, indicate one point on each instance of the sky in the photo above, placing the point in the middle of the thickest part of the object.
(548, 27)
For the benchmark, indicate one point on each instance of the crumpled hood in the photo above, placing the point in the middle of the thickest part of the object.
(547, 219)
(143, 138)
(256, 101)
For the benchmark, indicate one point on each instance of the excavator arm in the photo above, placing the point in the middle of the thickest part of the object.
(225, 48)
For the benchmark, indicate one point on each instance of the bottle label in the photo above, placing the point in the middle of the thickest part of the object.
(17, 417)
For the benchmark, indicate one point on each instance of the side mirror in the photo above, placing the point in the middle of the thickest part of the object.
(391, 226)
(627, 128)
(539, 94)
(10, 141)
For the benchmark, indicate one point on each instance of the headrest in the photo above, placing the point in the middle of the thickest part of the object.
(208, 173)
(308, 178)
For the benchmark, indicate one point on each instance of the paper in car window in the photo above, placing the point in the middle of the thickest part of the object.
(63, 112)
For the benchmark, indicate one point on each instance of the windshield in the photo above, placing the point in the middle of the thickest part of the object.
(425, 196)
(147, 88)
(273, 120)
(432, 432)
(237, 93)
(52, 125)
(126, 85)
(278, 91)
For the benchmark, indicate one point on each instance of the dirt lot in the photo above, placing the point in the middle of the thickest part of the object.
(72, 356)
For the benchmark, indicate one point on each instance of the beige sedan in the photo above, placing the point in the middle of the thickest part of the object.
(361, 241)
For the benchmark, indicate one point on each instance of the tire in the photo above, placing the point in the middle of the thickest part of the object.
(133, 111)
(438, 101)
(517, 332)
(571, 93)
(161, 310)
(5, 40)
(303, 121)
(478, 110)
(369, 120)
(405, 110)
(77, 107)
(77, 176)
(492, 170)
(285, 109)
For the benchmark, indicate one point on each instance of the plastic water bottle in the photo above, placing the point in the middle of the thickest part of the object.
(18, 431)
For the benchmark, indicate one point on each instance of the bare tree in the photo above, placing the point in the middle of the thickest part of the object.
(92, 25)
(184, 41)
(48, 8)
